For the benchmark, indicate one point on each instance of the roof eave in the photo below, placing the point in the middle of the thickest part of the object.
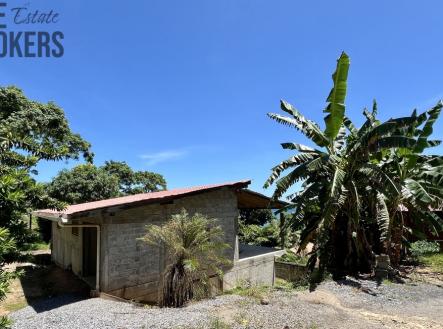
(55, 216)
(51, 216)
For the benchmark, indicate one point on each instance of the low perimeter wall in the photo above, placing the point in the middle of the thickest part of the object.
(257, 270)
(289, 271)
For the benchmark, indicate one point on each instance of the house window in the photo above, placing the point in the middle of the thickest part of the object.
(74, 231)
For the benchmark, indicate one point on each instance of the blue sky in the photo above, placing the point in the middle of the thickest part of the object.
(183, 87)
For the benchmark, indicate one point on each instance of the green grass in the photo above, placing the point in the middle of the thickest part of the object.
(434, 261)
(254, 291)
(287, 286)
(247, 289)
(387, 282)
(283, 285)
(261, 291)
(40, 246)
(15, 306)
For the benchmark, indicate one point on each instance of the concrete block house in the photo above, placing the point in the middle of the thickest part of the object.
(98, 240)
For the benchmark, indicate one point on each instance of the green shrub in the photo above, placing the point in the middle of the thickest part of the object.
(292, 257)
(267, 235)
(423, 247)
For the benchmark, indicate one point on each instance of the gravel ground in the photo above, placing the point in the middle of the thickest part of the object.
(349, 304)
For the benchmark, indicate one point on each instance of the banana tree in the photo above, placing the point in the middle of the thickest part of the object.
(421, 180)
(342, 176)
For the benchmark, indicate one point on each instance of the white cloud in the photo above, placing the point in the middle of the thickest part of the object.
(163, 156)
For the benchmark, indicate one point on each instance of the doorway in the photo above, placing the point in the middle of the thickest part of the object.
(89, 254)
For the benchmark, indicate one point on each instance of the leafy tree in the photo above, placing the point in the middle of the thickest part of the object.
(421, 180)
(260, 227)
(83, 183)
(134, 182)
(345, 178)
(19, 193)
(267, 235)
(29, 132)
(87, 182)
(194, 246)
(256, 216)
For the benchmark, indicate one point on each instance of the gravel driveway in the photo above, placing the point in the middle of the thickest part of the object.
(349, 304)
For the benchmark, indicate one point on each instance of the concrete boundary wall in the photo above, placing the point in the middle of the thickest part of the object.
(290, 271)
(256, 270)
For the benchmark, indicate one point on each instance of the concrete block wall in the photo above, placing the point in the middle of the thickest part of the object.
(130, 268)
(290, 272)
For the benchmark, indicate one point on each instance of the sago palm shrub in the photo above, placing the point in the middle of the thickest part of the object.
(194, 249)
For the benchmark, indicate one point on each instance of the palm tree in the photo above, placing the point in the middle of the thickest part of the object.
(194, 247)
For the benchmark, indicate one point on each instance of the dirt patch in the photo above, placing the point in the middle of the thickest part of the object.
(422, 274)
(321, 297)
(40, 279)
(388, 320)
(351, 303)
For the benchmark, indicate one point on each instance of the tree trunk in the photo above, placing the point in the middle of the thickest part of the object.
(282, 230)
(395, 245)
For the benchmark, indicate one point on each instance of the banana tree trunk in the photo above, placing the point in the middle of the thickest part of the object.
(396, 245)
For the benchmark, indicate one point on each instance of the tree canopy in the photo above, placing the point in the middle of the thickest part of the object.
(256, 216)
(30, 131)
(88, 182)
(134, 182)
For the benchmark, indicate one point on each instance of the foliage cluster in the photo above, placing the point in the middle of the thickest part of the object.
(292, 257)
(260, 227)
(423, 247)
(87, 182)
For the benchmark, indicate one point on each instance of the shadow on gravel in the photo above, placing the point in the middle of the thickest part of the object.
(357, 285)
(350, 283)
(50, 303)
(46, 286)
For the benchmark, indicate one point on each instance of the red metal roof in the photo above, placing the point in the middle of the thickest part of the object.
(134, 199)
